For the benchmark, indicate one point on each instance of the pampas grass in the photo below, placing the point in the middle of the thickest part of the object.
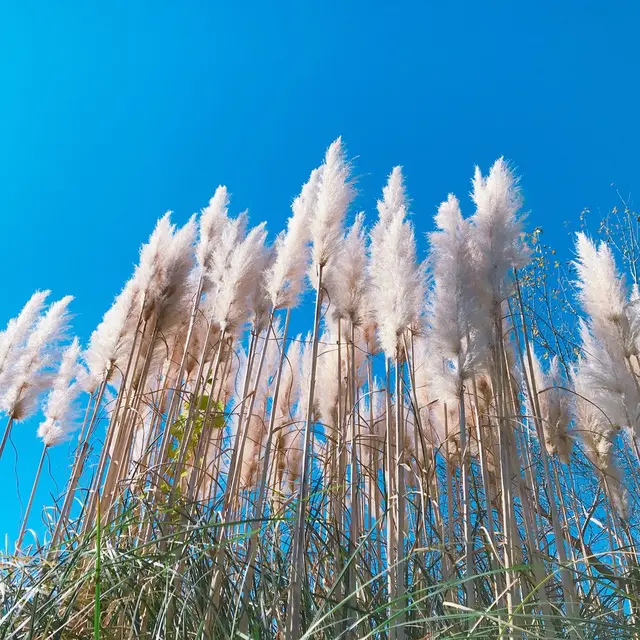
(419, 464)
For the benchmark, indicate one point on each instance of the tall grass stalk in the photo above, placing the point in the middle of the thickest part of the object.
(298, 544)
(448, 453)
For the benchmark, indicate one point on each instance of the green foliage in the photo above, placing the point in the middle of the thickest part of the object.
(214, 420)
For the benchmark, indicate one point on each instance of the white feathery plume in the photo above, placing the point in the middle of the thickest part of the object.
(177, 286)
(57, 409)
(176, 320)
(369, 326)
(429, 406)
(238, 280)
(259, 302)
(13, 337)
(175, 275)
(27, 378)
(633, 315)
(394, 196)
(605, 373)
(109, 339)
(604, 297)
(610, 384)
(598, 434)
(213, 219)
(397, 280)
(285, 276)
(347, 281)
(601, 289)
(289, 383)
(394, 199)
(497, 232)
(444, 379)
(557, 410)
(232, 382)
(232, 234)
(152, 262)
(619, 493)
(335, 193)
(327, 380)
(158, 279)
(554, 408)
(453, 305)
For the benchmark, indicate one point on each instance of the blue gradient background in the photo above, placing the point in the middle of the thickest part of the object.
(112, 113)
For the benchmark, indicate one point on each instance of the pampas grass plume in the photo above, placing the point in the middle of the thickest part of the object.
(335, 193)
(14, 336)
(285, 276)
(58, 406)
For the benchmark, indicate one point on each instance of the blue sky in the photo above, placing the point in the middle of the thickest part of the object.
(112, 113)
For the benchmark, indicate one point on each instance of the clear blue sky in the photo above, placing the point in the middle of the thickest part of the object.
(112, 113)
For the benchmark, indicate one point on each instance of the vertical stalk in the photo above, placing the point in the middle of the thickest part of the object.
(94, 489)
(201, 463)
(120, 460)
(25, 520)
(262, 485)
(191, 423)
(336, 484)
(235, 467)
(176, 397)
(6, 434)
(391, 504)
(292, 631)
(488, 493)
(450, 545)
(502, 379)
(466, 507)
(78, 466)
(565, 578)
(400, 499)
(353, 487)
(375, 459)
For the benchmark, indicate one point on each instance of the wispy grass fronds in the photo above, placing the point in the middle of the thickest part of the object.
(447, 450)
